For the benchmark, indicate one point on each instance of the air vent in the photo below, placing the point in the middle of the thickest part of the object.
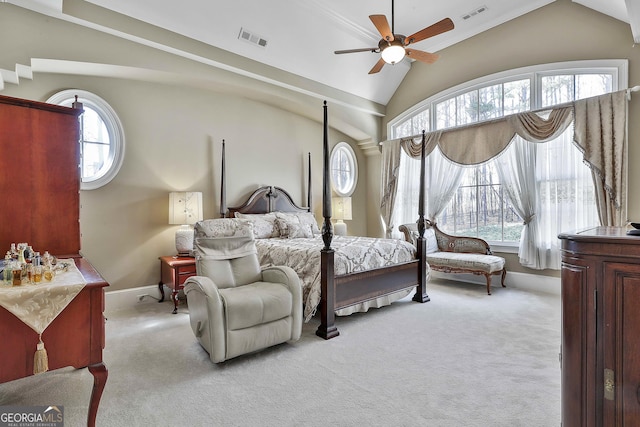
(252, 38)
(474, 12)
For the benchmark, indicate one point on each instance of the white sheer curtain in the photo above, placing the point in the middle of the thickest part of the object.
(566, 196)
(443, 178)
(564, 199)
(407, 193)
(516, 168)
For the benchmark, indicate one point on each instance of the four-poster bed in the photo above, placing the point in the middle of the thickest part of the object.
(391, 278)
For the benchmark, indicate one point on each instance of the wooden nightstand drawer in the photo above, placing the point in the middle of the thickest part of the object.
(185, 272)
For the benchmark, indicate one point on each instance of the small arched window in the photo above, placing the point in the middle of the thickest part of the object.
(344, 169)
(101, 138)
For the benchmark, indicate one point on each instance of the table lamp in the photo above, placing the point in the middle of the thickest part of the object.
(185, 209)
(341, 211)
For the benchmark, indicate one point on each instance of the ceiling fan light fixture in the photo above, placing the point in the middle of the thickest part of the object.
(393, 53)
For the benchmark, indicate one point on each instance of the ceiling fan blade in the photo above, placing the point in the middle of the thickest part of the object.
(364, 49)
(376, 68)
(381, 23)
(421, 56)
(439, 27)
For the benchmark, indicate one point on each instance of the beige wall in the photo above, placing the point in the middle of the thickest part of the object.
(173, 129)
(561, 31)
(176, 111)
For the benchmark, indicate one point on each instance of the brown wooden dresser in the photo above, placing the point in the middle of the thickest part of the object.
(600, 328)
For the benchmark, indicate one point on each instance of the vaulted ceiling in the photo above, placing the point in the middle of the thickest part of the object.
(300, 36)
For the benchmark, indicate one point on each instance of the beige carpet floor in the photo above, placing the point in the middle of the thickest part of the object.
(462, 359)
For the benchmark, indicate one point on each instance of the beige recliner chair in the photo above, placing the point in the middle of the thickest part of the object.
(235, 307)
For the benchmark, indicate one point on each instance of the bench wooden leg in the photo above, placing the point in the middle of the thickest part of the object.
(488, 276)
(504, 274)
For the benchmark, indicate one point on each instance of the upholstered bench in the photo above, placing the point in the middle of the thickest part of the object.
(456, 254)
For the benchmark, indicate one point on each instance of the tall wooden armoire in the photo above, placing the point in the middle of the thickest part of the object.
(600, 328)
(39, 187)
(39, 176)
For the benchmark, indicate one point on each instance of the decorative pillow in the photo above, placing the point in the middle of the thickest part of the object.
(284, 223)
(264, 225)
(432, 242)
(299, 231)
(430, 236)
(305, 218)
(309, 219)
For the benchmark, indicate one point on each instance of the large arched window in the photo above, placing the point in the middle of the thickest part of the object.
(479, 206)
(101, 137)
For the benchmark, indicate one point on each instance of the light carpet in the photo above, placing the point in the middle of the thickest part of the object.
(462, 359)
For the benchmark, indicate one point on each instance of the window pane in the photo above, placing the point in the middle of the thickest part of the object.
(413, 126)
(490, 102)
(467, 108)
(479, 208)
(517, 96)
(588, 85)
(446, 114)
(93, 159)
(93, 127)
(556, 90)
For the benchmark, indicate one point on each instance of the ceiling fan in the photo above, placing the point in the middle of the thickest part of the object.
(393, 47)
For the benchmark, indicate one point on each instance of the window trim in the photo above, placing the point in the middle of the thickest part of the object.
(618, 67)
(354, 161)
(113, 125)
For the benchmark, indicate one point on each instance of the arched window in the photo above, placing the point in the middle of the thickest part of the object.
(479, 206)
(101, 138)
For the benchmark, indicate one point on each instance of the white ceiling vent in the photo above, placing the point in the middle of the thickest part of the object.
(474, 12)
(252, 38)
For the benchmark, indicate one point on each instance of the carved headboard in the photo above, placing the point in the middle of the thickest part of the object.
(267, 199)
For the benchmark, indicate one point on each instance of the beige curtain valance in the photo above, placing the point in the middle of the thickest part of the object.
(475, 144)
(600, 132)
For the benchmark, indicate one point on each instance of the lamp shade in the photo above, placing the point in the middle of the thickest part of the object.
(341, 208)
(393, 53)
(185, 208)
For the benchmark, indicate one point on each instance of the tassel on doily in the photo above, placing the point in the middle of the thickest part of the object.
(40, 359)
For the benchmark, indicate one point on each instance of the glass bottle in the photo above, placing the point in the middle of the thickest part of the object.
(7, 273)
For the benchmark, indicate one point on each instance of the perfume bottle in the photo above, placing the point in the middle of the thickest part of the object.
(7, 273)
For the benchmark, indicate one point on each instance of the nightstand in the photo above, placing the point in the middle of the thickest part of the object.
(174, 271)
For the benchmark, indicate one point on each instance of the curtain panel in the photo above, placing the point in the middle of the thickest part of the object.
(600, 125)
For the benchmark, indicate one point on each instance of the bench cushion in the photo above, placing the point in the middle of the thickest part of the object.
(466, 261)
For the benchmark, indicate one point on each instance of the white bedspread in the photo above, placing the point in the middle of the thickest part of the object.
(352, 254)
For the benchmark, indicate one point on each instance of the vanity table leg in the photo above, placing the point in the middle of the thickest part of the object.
(99, 372)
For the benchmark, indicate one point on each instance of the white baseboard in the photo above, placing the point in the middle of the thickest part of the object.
(128, 298)
(524, 281)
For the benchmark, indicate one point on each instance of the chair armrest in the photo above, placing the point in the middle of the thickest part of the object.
(410, 232)
(288, 277)
(203, 285)
(461, 244)
(206, 314)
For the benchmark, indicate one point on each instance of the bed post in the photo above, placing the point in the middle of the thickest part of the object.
(309, 185)
(223, 190)
(421, 244)
(327, 328)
